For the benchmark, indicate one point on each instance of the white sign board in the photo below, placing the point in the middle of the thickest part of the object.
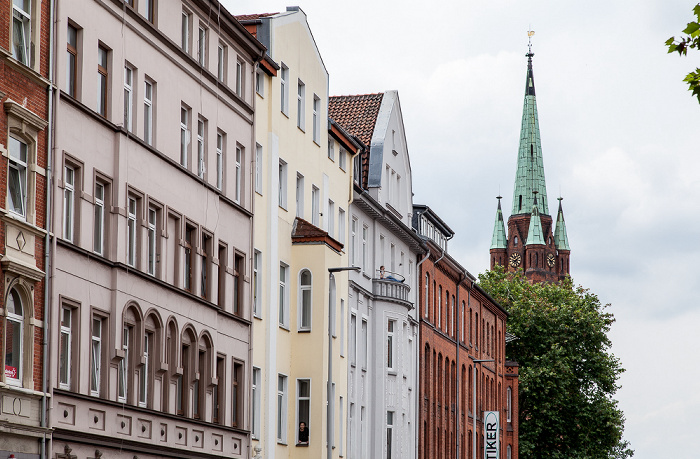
(492, 427)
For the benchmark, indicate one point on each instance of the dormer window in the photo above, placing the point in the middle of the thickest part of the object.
(515, 241)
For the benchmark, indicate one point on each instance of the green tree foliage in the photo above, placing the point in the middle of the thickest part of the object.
(567, 374)
(691, 40)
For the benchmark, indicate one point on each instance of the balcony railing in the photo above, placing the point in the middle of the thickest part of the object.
(392, 290)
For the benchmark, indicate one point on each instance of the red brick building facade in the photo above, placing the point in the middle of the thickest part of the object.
(24, 129)
(460, 323)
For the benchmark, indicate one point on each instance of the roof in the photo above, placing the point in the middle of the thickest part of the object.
(253, 17)
(499, 240)
(304, 232)
(561, 240)
(357, 114)
(535, 235)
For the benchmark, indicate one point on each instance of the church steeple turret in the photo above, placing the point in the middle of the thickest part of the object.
(535, 234)
(561, 240)
(499, 241)
(529, 176)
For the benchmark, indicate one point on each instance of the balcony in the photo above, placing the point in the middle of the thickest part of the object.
(391, 287)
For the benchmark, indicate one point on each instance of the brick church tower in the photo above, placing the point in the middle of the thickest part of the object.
(531, 243)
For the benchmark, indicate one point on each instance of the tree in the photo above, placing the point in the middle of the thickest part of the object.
(691, 40)
(567, 375)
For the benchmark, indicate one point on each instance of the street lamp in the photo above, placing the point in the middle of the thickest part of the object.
(329, 407)
(475, 361)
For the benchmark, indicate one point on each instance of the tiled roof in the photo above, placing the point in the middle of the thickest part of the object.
(304, 232)
(252, 17)
(356, 114)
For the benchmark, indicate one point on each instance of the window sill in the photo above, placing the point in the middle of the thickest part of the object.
(280, 442)
(257, 316)
(304, 330)
(284, 327)
(302, 445)
(301, 129)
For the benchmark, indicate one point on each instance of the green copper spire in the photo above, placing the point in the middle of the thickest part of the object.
(529, 176)
(535, 235)
(498, 241)
(561, 240)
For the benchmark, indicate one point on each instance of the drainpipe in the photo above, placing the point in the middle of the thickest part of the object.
(420, 349)
(47, 240)
(462, 277)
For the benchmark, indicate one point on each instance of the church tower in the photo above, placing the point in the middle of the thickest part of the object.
(531, 243)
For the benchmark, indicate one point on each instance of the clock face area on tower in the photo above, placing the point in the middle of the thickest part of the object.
(515, 260)
(550, 260)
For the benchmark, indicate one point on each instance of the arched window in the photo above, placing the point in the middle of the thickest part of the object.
(515, 239)
(131, 333)
(509, 404)
(186, 381)
(151, 355)
(305, 300)
(14, 339)
(427, 294)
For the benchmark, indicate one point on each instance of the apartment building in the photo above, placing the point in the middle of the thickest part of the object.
(152, 255)
(303, 190)
(24, 134)
(382, 321)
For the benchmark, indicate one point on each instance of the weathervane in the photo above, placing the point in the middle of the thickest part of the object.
(530, 33)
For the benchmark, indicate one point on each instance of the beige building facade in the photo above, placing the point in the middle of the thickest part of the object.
(151, 274)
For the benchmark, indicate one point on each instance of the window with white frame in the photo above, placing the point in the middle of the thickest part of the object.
(341, 418)
(148, 112)
(221, 53)
(131, 232)
(239, 173)
(365, 232)
(96, 356)
(509, 404)
(257, 283)
(283, 313)
(184, 136)
(281, 408)
(68, 202)
(282, 191)
(202, 46)
(17, 177)
(123, 370)
(284, 88)
(301, 104)
(145, 370)
(258, 168)
(152, 240)
(201, 146)
(14, 339)
(353, 241)
(315, 205)
(219, 160)
(300, 196)
(260, 83)
(128, 98)
(66, 350)
(239, 78)
(331, 149)
(352, 345)
(342, 158)
(341, 226)
(99, 223)
(389, 433)
(21, 30)
(303, 404)
(150, 10)
(237, 394)
(390, 352)
(186, 22)
(316, 119)
(342, 327)
(365, 344)
(305, 296)
(255, 404)
(330, 218)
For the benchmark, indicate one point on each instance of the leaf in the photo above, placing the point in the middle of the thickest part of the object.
(692, 27)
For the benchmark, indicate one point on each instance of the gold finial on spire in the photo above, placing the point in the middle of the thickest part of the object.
(530, 33)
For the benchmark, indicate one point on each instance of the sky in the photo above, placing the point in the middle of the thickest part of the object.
(620, 138)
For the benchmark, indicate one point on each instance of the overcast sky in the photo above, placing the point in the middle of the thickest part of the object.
(620, 138)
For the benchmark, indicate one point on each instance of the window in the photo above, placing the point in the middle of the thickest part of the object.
(99, 228)
(353, 238)
(238, 284)
(148, 112)
(124, 365)
(21, 34)
(283, 293)
(14, 339)
(364, 344)
(439, 313)
(202, 46)
(102, 80)
(237, 392)
(257, 283)
(284, 88)
(282, 192)
(389, 432)
(509, 405)
(219, 160)
(96, 356)
(72, 61)
(315, 204)
(218, 392)
(303, 407)
(352, 345)
(364, 247)
(68, 200)
(65, 363)
(342, 159)
(239, 78)
(300, 195)
(281, 408)
(390, 344)
(152, 240)
(205, 248)
(221, 55)
(258, 168)
(131, 233)
(305, 296)
(317, 119)
(186, 24)
(145, 369)
(260, 83)
(223, 258)
(150, 10)
(342, 328)
(239, 173)
(255, 408)
(200, 147)
(427, 295)
(301, 105)
(190, 233)
(330, 218)
(331, 143)
(341, 418)
(17, 177)
(184, 136)
(128, 98)
(341, 226)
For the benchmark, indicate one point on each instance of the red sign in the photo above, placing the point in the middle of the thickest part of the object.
(10, 372)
